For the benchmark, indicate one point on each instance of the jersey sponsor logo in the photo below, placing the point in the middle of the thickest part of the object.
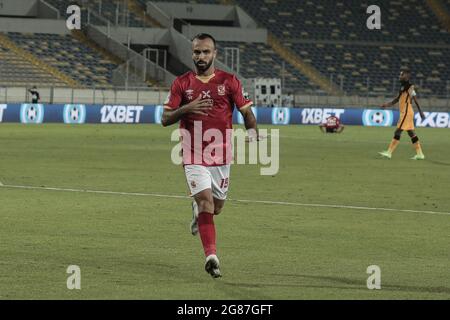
(377, 118)
(434, 120)
(240, 118)
(2, 108)
(332, 121)
(206, 94)
(158, 114)
(74, 113)
(319, 116)
(281, 115)
(221, 89)
(121, 114)
(31, 113)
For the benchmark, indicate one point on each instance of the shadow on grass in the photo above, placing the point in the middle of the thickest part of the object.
(440, 163)
(355, 284)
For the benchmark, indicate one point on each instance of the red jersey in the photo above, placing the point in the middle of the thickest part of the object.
(226, 91)
(332, 122)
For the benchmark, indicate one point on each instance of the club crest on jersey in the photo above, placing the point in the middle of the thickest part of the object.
(189, 94)
(221, 89)
(193, 184)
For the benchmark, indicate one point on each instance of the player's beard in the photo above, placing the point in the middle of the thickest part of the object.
(404, 82)
(202, 68)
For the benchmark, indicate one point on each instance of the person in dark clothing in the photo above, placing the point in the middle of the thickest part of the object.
(35, 97)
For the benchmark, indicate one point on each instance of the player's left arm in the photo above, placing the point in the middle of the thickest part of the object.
(413, 96)
(322, 127)
(243, 103)
(250, 123)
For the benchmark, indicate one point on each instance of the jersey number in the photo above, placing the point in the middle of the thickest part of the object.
(224, 183)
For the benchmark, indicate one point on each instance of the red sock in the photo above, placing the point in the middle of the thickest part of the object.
(207, 232)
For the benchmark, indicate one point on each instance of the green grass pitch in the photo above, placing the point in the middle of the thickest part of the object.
(139, 246)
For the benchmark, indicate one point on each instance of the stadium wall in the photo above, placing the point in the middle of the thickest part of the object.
(164, 13)
(228, 33)
(140, 114)
(13, 95)
(19, 8)
(25, 25)
(139, 35)
(190, 11)
(153, 96)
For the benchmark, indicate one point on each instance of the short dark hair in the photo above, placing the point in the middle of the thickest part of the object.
(406, 70)
(203, 36)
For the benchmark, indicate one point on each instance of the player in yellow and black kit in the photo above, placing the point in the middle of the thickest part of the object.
(406, 120)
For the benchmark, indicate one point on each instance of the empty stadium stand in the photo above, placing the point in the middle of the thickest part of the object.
(15, 71)
(402, 20)
(69, 55)
(259, 60)
(332, 37)
(374, 69)
(328, 36)
(447, 5)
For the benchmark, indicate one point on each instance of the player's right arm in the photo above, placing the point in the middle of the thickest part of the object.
(198, 106)
(390, 104)
(174, 111)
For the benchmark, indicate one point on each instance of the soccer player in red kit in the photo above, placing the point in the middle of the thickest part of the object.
(332, 125)
(205, 100)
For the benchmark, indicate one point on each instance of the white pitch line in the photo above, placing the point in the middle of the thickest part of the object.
(97, 191)
(316, 205)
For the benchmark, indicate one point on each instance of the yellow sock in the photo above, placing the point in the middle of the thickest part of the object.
(418, 148)
(393, 145)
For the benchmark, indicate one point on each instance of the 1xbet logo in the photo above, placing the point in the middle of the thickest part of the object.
(121, 114)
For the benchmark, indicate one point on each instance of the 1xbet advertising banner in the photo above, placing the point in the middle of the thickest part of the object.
(134, 114)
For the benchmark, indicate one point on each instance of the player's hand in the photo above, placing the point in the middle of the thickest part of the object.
(251, 139)
(422, 115)
(384, 106)
(199, 106)
(252, 135)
